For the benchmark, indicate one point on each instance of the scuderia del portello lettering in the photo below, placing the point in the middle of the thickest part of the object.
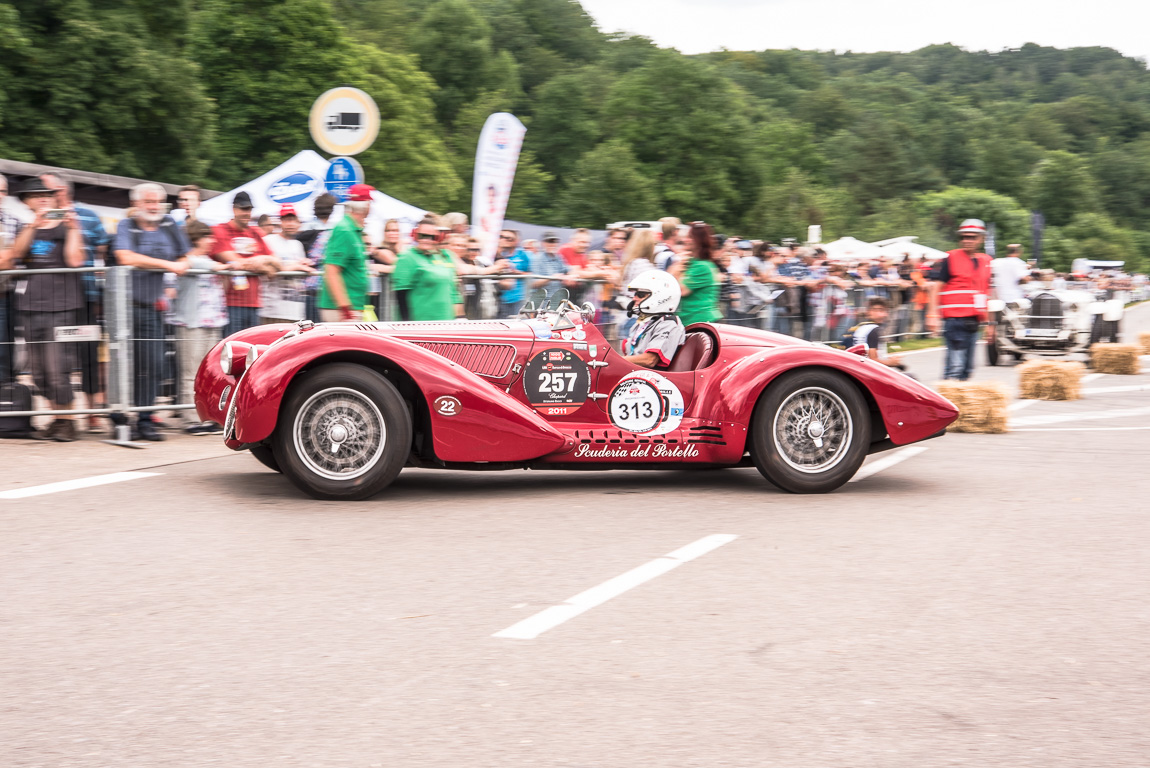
(647, 451)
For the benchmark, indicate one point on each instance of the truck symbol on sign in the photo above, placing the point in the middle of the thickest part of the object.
(345, 121)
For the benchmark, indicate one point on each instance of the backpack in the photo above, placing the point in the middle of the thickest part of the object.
(15, 397)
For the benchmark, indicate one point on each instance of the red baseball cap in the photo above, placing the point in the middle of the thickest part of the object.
(360, 192)
(288, 209)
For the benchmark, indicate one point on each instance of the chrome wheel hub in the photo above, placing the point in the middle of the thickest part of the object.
(813, 429)
(339, 433)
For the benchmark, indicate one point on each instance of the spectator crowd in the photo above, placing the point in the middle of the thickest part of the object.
(195, 284)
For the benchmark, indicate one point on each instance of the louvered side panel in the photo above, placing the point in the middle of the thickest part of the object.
(491, 360)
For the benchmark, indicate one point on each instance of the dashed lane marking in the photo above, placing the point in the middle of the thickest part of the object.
(72, 485)
(886, 462)
(533, 627)
(1102, 390)
(1084, 429)
(1018, 405)
(1059, 418)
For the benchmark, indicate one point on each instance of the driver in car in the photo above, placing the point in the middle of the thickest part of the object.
(659, 333)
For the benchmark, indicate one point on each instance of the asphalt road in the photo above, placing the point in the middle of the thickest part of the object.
(983, 602)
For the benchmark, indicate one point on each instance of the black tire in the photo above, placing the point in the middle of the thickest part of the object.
(1104, 331)
(266, 456)
(351, 404)
(992, 350)
(780, 452)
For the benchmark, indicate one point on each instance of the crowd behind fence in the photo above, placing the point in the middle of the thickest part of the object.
(105, 357)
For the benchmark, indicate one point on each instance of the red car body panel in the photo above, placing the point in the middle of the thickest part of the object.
(495, 421)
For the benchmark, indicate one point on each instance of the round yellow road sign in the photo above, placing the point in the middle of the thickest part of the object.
(344, 121)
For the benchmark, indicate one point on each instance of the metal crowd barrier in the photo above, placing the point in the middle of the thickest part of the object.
(116, 357)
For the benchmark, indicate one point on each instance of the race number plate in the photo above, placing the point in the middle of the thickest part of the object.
(646, 403)
(557, 382)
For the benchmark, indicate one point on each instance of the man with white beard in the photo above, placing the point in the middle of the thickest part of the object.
(152, 242)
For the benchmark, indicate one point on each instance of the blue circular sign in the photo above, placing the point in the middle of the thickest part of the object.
(342, 173)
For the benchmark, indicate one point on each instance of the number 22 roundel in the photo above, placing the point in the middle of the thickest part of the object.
(646, 403)
(557, 382)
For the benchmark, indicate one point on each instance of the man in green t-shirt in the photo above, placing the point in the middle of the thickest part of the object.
(425, 280)
(344, 289)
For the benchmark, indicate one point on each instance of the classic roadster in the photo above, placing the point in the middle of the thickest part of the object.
(1052, 322)
(342, 408)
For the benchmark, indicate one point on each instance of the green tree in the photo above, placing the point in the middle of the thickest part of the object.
(91, 86)
(565, 123)
(950, 207)
(606, 185)
(266, 61)
(454, 47)
(409, 159)
(1061, 187)
(1096, 236)
(878, 158)
(1123, 174)
(787, 208)
(689, 128)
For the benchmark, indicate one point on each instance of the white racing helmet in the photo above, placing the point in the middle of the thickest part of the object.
(656, 293)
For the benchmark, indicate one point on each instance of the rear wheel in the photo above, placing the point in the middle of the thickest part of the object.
(344, 432)
(810, 431)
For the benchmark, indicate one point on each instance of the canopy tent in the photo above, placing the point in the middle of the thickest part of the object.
(299, 181)
(850, 249)
(899, 248)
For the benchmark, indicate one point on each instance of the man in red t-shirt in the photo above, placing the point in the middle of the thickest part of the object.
(242, 246)
(575, 252)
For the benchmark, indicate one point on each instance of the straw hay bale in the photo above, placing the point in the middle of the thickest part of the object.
(1144, 340)
(981, 406)
(1050, 380)
(1121, 359)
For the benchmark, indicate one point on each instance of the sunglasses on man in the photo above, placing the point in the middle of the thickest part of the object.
(426, 236)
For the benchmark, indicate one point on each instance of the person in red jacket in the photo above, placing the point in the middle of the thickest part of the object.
(958, 294)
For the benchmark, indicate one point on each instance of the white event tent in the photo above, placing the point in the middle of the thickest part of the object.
(898, 248)
(299, 181)
(850, 249)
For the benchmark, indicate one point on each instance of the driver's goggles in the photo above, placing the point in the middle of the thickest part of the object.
(640, 295)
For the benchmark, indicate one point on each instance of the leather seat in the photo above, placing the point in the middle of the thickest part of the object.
(698, 351)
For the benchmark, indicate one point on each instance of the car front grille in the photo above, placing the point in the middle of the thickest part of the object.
(1045, 311)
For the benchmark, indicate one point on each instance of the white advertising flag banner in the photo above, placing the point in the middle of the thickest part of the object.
(495, 162)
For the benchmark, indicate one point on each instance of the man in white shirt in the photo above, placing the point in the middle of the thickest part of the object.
(283, 297)
(1008, 272)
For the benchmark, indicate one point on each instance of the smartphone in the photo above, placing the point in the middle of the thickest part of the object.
(56, 214)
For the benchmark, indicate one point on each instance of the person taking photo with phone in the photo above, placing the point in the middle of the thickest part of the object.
(47, 301)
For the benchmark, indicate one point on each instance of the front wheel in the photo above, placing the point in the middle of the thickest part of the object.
(810, 431)
(344, 432)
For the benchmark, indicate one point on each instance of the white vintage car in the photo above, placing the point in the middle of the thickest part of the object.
(1052, 322)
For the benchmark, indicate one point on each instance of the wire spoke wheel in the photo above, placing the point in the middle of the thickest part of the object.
(339, 433)
(813, 429)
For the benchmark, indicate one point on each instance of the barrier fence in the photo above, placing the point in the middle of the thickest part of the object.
(113, 341)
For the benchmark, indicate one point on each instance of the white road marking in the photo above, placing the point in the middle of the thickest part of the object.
(1101, 390)
(72, 485)
(532, 627)
(1084, 429)
(1018, 405)
(887, 462)
(1091, 377)
(1058, 418)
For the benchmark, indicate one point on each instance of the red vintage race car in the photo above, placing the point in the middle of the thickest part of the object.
(342, 408)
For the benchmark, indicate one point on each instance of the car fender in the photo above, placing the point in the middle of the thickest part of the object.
(484, 425)
(910, 411)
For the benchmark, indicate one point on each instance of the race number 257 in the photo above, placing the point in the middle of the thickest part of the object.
(560, 383)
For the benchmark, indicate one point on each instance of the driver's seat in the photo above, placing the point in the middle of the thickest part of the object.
(698, 351)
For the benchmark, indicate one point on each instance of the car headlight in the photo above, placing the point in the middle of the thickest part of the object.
(253, 353)
(233, 358)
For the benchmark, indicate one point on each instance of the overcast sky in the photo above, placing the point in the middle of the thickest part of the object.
(696, 26)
